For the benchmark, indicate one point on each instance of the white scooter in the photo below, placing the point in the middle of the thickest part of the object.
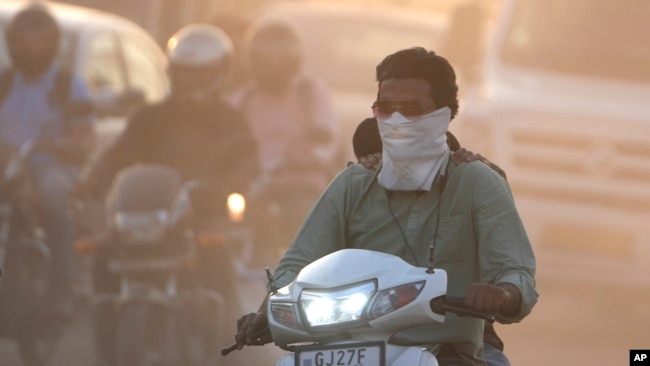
(343, 308)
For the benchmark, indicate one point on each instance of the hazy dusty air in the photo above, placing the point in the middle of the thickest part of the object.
(556, 92)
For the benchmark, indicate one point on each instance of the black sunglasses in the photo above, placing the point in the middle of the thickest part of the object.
(408, 108)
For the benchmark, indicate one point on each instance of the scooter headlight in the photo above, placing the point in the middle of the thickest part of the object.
(334, 307)
(394, 298)
(141, 227)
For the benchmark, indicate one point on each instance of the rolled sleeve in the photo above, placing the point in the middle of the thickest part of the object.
(526, 286)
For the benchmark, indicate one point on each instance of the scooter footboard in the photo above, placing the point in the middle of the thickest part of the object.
(394, 356)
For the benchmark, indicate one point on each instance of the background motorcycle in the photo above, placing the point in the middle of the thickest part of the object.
(25, 260)
(343, 309)
(164, 314)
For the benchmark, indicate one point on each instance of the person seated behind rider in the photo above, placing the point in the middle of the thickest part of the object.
(481, 241)
(293, 118)
(32, 108)
(367, 147)
(196, 132)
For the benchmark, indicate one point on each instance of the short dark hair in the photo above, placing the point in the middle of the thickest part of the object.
(418, 63)
(366, 139)
(33, 16)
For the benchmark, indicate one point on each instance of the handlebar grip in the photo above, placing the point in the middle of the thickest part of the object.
(455, 301)
(226, 350)
(257, 335)
(456, 305)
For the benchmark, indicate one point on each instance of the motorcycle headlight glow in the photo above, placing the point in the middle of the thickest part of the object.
(236, 207)
(142, 226)
(394, 298)
(327, 307)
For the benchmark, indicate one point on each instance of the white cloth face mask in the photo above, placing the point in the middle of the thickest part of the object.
(413, 152)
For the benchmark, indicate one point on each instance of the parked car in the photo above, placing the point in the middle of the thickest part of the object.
(121, 63)
(344, 42)
(562, 105)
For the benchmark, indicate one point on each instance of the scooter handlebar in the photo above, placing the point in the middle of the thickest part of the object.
(456, 305)
(257, 335)
(226, 350)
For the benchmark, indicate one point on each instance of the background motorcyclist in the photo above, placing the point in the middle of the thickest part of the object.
(292, 117)
(33, 107)
(199, 134)
(194, 130)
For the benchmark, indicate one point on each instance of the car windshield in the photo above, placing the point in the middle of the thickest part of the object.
(357, 45)
(600, 38)
(65, 47)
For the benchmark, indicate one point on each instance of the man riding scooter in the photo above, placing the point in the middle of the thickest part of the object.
(195, 132)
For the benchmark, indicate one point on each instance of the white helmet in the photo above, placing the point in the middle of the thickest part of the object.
(200, 57)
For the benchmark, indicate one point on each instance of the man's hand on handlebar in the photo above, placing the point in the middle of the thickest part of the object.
(253, 330)
(503, 299)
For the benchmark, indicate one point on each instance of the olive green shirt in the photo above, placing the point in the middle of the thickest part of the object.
(479, 237)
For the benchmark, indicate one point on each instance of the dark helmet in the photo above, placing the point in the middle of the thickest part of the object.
(274, 48)
(33, 39)
(200, 58)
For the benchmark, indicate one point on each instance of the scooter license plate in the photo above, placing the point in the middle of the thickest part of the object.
(355, 354)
